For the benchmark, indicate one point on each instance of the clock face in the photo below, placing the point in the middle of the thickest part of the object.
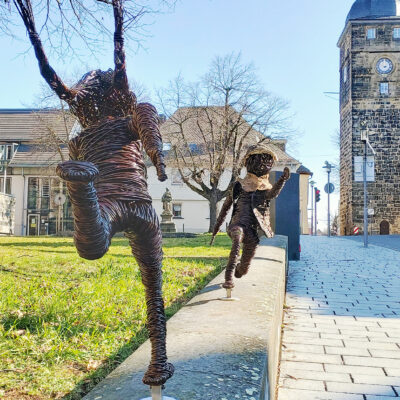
(384, 66)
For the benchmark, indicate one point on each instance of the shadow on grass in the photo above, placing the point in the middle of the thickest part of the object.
(30, 244)
(35, 324)
(89, 382)
(221, 242)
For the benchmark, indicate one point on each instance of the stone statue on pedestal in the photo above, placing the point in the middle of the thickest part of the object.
(167, 225)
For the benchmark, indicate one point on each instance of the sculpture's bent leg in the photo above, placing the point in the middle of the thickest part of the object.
(236, 234)
(250, 244)
(145, 239)
(92, 232)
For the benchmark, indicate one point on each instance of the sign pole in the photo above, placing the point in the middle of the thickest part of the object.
(365, 196)
(329, 204)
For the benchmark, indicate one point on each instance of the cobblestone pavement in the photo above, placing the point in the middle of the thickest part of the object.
(389, 241)
(341, 336)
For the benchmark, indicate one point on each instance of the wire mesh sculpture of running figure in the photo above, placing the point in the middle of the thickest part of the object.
(251, 199)
(106, 176)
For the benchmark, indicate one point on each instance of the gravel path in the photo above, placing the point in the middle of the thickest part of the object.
(341, 336)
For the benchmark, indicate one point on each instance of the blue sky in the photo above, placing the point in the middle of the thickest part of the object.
(292, 44)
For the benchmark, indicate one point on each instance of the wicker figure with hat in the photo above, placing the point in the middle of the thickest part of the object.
(250, 197)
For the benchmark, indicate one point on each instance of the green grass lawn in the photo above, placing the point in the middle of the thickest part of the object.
(65, 322)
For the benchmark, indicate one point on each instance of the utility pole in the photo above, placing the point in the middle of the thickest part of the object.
(328, 188)
(312, 183)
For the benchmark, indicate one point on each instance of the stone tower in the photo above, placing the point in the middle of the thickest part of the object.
(370, 100)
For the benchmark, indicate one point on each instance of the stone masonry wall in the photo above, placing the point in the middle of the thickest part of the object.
(382, 117)
(7, 214)
(346, 149)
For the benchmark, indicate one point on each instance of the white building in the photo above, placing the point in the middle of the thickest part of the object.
(29, 158)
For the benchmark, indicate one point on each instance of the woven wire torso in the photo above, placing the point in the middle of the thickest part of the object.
(114, 147)
(242, 213)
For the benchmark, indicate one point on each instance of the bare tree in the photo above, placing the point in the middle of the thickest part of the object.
(65, 25)
(335, 225)
(212, 122)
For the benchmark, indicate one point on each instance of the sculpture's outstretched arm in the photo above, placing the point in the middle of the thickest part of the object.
(278, 186)
(146, 122)
(48, 73)
(120, 77)
(222, 215)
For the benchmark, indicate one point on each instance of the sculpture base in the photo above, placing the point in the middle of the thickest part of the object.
(168, 227)
(156, 394)
(229, 296)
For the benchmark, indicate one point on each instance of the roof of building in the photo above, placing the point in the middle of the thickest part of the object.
(25, 125)
(374, 9)
(302, 170)
(204, 125)
(36, 156)
(201, 123)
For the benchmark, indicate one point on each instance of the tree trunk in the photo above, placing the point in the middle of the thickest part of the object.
(213, 203)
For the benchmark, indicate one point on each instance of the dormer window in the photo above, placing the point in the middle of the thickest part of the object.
(396, 33)
(7, 151)
(371, 33)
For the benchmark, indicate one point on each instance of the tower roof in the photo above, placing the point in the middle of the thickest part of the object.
(374, 9)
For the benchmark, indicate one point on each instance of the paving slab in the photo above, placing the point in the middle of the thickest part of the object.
(341, 328)
(220, 350)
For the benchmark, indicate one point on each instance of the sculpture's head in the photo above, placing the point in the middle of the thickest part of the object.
(260, 159)
(259, 164)
(96, 97)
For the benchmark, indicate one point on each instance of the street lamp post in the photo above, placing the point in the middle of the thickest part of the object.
(365, 139)
(365, 192)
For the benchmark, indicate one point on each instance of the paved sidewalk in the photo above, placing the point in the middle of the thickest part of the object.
(341, 336)
(389, 241)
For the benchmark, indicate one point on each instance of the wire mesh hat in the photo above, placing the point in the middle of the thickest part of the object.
(262, 147)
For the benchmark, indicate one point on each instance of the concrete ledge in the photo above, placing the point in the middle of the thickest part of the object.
(221, 350)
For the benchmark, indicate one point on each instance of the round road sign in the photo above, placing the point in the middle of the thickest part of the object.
(329, 188)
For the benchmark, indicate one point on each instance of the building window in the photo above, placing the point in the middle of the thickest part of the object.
(396, 33)
(177, 210)
(7, 151)
(52, 217)
(384, 88)
(344, 72)
(8, 185)
(194, 148)
(177, 178)
(167, 146)
(371, 33)
(33, 193)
